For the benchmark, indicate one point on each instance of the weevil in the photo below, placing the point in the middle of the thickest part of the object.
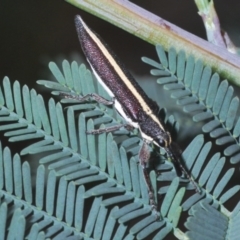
(129, 99)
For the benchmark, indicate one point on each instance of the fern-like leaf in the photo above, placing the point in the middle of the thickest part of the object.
(201, 94)
(93, 185)
(74, 160)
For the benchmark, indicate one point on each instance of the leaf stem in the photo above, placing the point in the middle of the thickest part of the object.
(156, 30)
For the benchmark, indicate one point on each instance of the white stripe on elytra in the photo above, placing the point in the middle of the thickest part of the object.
(117, 105)
(119, 108)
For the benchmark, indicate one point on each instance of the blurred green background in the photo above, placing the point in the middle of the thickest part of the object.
(32, 33)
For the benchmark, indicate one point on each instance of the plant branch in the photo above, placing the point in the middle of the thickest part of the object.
(156, 30)
(212, 25)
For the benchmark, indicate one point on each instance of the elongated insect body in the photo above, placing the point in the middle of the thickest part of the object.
(130, 100)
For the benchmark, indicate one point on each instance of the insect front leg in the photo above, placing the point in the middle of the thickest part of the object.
(104, 101)
(84, 98)
(111, 129)
(144, 156)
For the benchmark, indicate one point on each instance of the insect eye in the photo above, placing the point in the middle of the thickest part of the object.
(161, 142)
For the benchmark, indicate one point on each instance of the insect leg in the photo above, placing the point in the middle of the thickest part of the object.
(94, 96)
(110, 129)
(144, 156)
